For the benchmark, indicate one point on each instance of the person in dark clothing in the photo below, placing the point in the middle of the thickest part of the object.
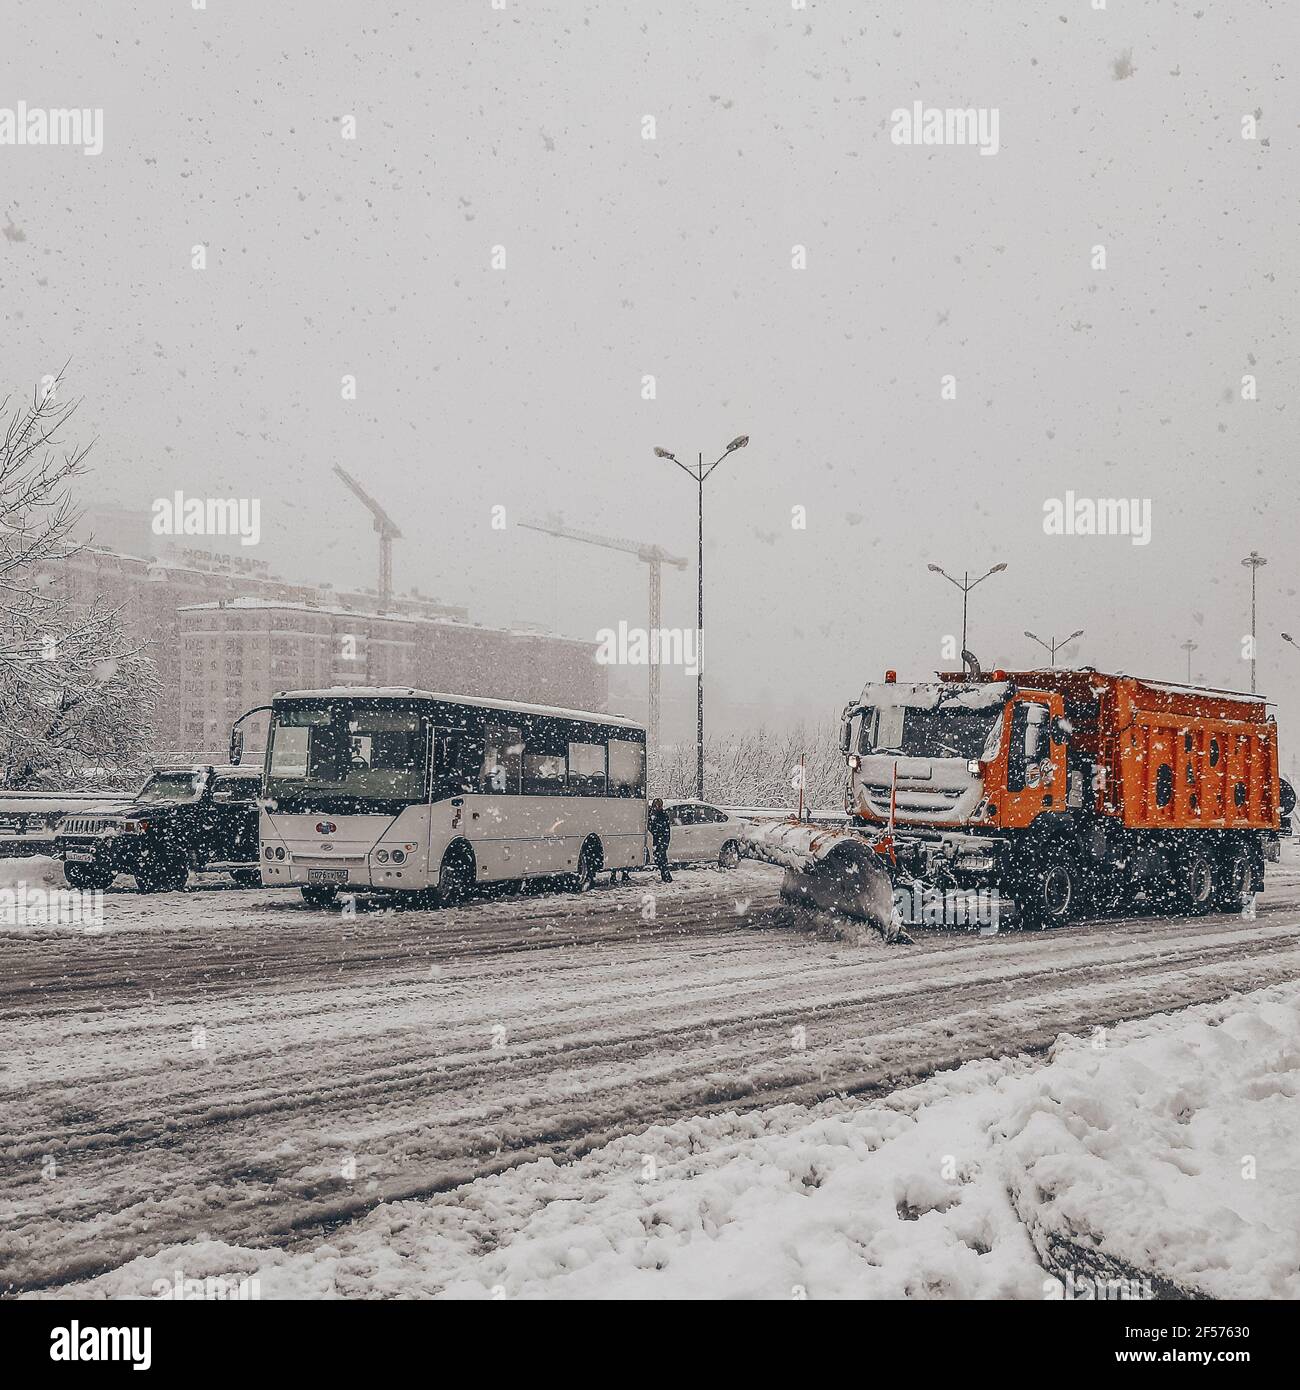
(661, 830)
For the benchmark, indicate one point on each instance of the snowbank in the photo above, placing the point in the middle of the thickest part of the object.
(35, 870)
(1165, 1150)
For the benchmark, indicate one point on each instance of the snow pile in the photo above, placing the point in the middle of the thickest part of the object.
(1164, 1151)
(34, 871)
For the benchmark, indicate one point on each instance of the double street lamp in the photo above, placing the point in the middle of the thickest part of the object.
(1051, 645)
(965, 584)
(697, 476)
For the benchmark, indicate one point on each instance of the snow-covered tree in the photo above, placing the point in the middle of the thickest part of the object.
(758, 768)
(76, 694)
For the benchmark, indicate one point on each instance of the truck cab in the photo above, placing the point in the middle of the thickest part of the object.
(955, 755)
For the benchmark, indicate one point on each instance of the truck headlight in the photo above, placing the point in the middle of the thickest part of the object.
(134, 827)
(973, 767)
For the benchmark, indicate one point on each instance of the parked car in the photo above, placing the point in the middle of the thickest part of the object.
(703, 832)
(29, 821)
(201, 818)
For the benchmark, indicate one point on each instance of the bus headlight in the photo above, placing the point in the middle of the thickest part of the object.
(399, 856)
(279, 851)
(381, 855)
(269, 852)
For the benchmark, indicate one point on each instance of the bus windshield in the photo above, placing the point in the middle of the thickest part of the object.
(950, 731)
(332, 755)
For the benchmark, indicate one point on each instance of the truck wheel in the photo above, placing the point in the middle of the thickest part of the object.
(319, 894)
(1232, 878)
(730, 856)
(1194, 883)
(88, 875)
(1050, 894)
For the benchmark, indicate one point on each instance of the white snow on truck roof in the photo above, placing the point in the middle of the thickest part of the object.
(933, 694)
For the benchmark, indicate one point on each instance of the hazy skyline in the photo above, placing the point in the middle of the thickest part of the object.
(522, 387)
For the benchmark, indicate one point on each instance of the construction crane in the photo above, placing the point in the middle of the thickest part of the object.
(388, 530)
(653, 556)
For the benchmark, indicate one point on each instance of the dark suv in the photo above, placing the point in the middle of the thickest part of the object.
(202, 818)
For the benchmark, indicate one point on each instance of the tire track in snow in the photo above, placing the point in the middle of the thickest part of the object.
(372, 1038)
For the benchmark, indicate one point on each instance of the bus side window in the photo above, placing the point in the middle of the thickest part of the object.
(587, 769)
(545, 749)
(626, 768)
(502, 759)
(458, 757)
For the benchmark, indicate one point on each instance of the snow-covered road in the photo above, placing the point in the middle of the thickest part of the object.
(235, 1064)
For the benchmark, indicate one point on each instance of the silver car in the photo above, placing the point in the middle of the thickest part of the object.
(703, 832)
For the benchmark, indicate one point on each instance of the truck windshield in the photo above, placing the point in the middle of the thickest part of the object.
(173, 786)
(951, 731)
(341, 755)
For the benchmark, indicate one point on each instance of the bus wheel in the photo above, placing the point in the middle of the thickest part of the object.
(730, 856)
(590, 860)
(1194, 893)
(455, 878)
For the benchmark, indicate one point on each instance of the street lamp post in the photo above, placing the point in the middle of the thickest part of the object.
(1051, 645)
(1189, 647)
(965, 584)
(698, 475)
(1253, 562)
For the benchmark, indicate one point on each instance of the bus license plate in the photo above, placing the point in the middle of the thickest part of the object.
(327, 875)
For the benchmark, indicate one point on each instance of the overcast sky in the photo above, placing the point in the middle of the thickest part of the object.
(671, 257)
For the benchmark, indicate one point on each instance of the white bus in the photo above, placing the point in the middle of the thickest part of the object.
(410, 791)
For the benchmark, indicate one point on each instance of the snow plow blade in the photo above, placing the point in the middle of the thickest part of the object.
(835, 870)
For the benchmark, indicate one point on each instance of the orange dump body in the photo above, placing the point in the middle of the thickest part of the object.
(1170, 757)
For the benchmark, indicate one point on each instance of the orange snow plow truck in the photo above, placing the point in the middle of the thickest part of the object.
(1067, 791)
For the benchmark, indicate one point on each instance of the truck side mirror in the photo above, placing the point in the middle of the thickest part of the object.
(236, 746)
(846, 736)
